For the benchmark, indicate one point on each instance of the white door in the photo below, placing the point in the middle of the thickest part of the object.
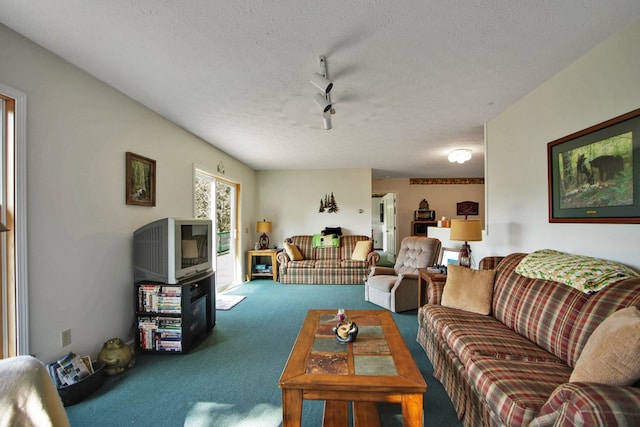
(389, 237)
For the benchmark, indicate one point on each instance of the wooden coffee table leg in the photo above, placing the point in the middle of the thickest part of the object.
(412, 411)
(336, 413)
(291, 408)
(365, 414)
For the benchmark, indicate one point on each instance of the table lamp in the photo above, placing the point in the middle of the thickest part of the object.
(264, 227)
(466, 230)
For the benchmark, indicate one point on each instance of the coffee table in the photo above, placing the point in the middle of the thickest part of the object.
(376, 367)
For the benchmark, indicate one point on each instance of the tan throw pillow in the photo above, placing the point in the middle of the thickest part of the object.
(293, 252)
(362, 249)
(611, 353)
(469, 290)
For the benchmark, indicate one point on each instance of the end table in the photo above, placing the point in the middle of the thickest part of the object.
(255, 257)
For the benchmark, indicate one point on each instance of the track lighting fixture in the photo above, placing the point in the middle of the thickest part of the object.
(326, 120)
(323, 100)
(319, 81)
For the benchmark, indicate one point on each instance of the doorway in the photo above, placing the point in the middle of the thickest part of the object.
(216, 199)
(389, 226)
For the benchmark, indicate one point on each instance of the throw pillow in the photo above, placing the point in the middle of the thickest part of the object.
(362, 249)
(469, 290)
(293, 252)
(611, 353)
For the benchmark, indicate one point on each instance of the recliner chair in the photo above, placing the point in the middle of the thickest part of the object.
(396, 288)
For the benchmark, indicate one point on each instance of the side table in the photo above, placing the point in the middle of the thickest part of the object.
(255, 257)
(426, 275)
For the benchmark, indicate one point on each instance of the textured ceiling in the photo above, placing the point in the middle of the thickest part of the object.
(413, 79)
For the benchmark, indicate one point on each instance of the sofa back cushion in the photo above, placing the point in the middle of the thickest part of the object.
(343, 252)
(601, 305)
(348, 245)
(541, 310)
(305, 245)
(416, 252)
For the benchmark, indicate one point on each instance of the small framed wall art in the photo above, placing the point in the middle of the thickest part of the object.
(594, 174)
(141, 180)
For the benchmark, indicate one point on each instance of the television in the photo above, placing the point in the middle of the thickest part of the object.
(172, 250)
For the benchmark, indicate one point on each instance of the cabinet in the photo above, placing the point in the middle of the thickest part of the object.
(173, 318)
(419, 227)
(262, 263)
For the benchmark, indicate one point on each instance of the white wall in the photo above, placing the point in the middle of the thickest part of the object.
(601, 85)
(79, 227)
(290, 199)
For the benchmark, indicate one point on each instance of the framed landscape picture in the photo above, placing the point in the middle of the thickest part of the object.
(594, 174)
(141, 180)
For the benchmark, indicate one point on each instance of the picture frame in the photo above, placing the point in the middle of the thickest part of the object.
(140, 180)
(594, 174)
(449, 256)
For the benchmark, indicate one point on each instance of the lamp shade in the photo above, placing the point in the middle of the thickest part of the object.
(466, 230)
(263, 227)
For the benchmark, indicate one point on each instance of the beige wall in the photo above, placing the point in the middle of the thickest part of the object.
(291, 200)
(79, 227)
(442, 198)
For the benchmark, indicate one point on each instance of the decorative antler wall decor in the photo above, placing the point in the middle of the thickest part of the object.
(328, 204)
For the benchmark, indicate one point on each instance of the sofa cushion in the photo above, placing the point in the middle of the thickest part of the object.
(292, 251)
(611, 353)
(541, 310)
(470, 335)
(598, 307)
(515, 390)
(362, 249)
(469, 290)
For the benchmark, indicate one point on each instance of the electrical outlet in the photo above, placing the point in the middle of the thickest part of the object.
(65, 337)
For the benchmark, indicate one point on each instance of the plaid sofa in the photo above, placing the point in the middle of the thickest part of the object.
(325, 265)
(512, 368)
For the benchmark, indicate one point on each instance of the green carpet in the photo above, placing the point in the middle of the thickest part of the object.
(231, 379)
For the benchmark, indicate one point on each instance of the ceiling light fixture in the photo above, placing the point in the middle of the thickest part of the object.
(323, 100)
(461, 155)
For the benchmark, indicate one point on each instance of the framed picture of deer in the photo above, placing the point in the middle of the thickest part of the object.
(594, 174)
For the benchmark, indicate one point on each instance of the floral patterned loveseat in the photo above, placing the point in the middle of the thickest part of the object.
(346, 263)
(547, 353)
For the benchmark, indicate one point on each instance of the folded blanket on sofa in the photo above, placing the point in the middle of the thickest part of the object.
(328, 241)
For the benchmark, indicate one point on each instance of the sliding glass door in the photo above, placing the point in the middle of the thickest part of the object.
(216, 198)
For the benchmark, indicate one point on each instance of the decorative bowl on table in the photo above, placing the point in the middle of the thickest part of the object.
(346, 332)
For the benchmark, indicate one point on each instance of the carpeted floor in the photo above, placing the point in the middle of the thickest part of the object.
(231, 378)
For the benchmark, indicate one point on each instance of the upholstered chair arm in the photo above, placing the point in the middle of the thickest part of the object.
(378, 271)
(590, 404)
(373, 258)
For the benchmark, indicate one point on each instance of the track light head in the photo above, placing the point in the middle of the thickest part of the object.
(322, 83)
(326, 121)
(322, 102)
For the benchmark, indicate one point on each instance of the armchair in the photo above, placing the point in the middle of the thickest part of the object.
(396, 288)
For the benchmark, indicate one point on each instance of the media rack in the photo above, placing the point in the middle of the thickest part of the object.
(173, 318)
